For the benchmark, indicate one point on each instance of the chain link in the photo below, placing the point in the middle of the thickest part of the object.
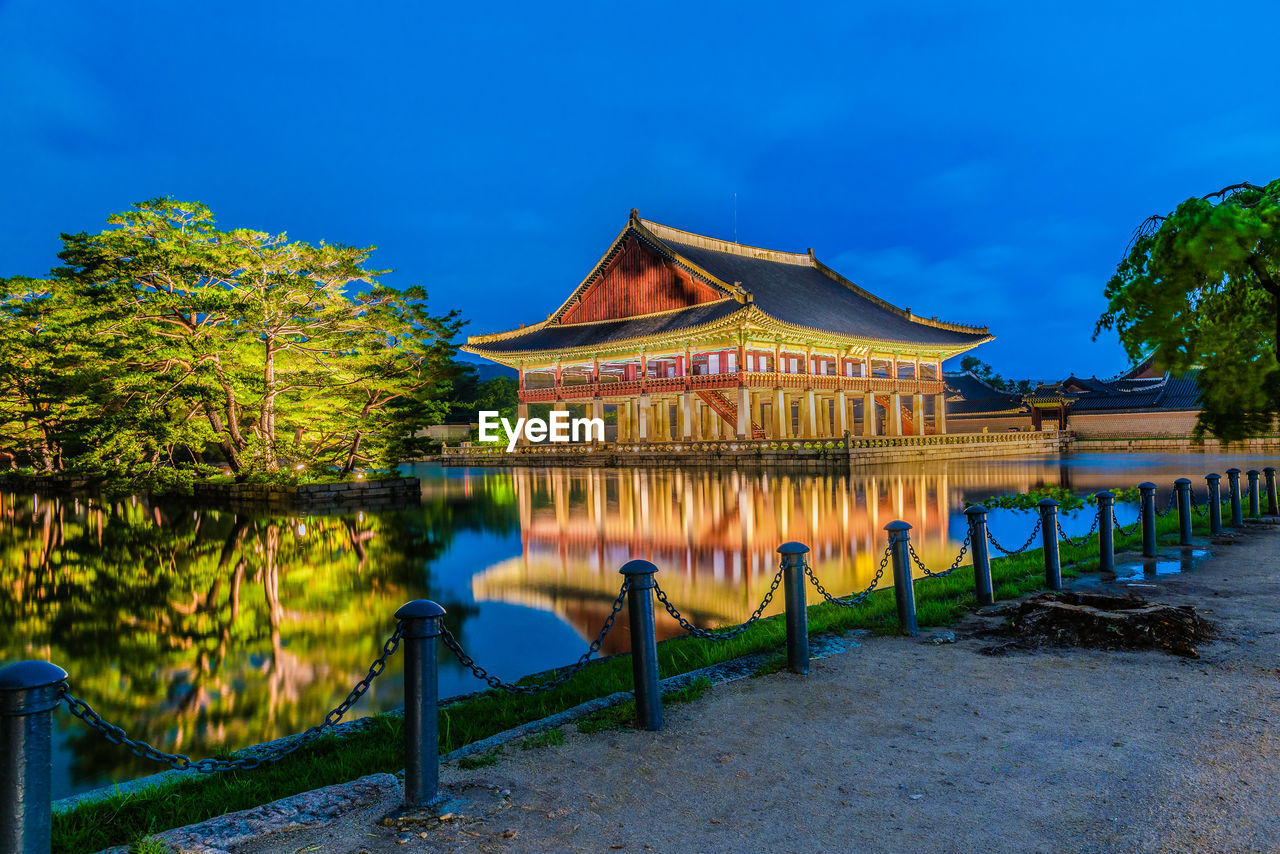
(1023, 548)
(1199, 510)
(1173, 496)
(851, 600)
(1120, 528)
(1083, 540)
(719, 634)
(559, 679)
(955, 564)
(179, 762)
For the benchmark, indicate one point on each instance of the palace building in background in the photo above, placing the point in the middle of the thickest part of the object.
(689, 338)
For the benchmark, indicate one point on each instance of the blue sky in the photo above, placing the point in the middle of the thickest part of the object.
(984, 162)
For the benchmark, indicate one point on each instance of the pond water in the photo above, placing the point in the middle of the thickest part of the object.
(204, 631)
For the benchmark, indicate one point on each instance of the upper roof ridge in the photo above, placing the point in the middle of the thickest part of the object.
(715, 244)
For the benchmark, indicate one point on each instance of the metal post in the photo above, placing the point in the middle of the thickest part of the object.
(1215, 504)
(1106, 532)
(1049, 541)
(904, 590)
(981, 558)
(644, 642)
(1270, 472)
(793, 561)
(422, 619)
(1148, 491)
(28, 695)
(1237, 514)
(1183, 488)
(1254, 512)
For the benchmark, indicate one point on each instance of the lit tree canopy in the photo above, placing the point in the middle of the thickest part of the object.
(1201, 287)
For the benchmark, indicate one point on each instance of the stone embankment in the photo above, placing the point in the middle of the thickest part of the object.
(368, 494)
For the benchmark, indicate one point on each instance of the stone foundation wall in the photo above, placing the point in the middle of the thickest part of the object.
(1175, 445)
(830, 454)
(307, 496)
(1175, 425)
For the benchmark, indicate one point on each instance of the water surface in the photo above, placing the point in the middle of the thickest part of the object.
(206, 630)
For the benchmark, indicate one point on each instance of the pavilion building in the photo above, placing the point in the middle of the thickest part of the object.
(690, 338)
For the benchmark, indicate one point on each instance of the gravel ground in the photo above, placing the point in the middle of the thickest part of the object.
(898, 746)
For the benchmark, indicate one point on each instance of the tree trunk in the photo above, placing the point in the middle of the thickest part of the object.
(267, 418)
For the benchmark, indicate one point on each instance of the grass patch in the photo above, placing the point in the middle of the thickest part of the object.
(126, 819)
(484, 760)
(550, 738)
(623, 715)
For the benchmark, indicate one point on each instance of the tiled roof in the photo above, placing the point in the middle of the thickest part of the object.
(793, 288)
(976, 397)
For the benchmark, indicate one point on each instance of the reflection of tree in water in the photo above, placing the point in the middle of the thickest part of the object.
(153, 610)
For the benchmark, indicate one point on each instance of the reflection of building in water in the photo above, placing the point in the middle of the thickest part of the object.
(714, 535)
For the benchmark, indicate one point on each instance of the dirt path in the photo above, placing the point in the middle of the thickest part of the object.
(897, 746)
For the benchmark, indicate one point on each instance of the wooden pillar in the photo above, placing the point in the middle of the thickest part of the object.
(939, 413)
(895, 412)
(842, 413)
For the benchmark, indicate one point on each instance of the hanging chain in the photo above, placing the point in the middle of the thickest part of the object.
(1120, 528)
(718, 635)
(955, 564)
(1168, 506)
(178, 761)
(851, 600)
(559, 679)
(1199, 510)
(1023, 548)
(1083, 540)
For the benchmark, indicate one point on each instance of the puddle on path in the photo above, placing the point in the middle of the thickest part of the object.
(1166, 562)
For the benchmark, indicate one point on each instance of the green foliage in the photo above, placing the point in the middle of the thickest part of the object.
(164, 340)
(1201, 287)
(1067, 500)
(987, 374)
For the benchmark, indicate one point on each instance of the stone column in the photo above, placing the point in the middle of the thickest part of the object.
(808, 416)
(939, 413)
(781, 414)
(597, 411)
(686, 416)
(757, 416)
(842, 413)
(744, 412)
(869, 414)
(895, 414)
(917, 416)
(624, 431)
(644, 415)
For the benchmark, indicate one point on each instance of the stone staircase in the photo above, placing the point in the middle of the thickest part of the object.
(728, 412)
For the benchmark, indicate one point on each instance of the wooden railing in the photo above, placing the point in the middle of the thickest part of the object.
(750, 379)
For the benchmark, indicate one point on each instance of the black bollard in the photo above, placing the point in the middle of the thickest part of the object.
(1148, 491)
(1215, 504)
(421, 619)
(904, 590)
(644, 642)
(29, 692)
(1254, 512)
(977, 515)
(1270, 472)
(1049, 541)
(1237, 513)
(1106, 532)
(793, 565)
(1182, 486)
